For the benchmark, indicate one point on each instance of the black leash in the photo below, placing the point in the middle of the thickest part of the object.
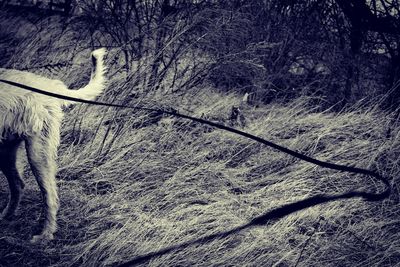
(369, 196)
(264, 219)
(272, 215)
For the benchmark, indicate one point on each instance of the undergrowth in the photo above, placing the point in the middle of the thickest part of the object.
(133, 183)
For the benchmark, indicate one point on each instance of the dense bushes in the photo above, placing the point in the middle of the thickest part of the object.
(277, 50)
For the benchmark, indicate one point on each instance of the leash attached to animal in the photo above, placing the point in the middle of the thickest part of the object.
(71, 97)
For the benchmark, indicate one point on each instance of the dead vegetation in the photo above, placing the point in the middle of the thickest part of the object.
(132, 183)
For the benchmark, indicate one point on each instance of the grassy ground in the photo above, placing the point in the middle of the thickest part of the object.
(130, 184)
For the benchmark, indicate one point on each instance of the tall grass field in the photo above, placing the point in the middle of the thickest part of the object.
(133, 183)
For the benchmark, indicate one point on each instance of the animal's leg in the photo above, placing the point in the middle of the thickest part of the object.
(8, 165)
(41, 156)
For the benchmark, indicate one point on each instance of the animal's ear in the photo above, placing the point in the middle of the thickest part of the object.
(101, 52)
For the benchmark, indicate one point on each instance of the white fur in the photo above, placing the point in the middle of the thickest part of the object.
(35, 119)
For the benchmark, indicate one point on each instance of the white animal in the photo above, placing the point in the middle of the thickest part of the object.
(35, 119)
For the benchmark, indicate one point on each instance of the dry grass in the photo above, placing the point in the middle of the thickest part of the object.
(131, 184)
